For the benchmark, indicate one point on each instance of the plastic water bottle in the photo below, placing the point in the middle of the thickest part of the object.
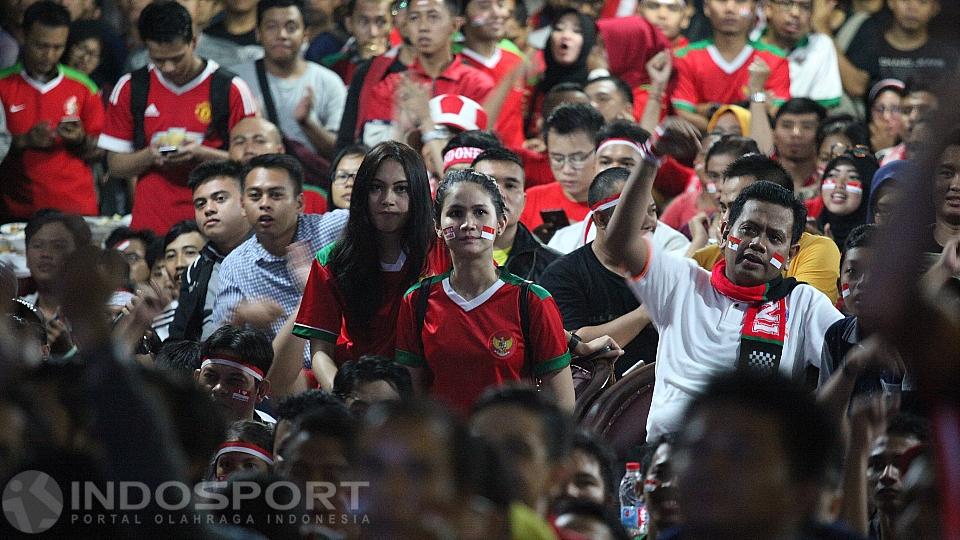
(631, 501)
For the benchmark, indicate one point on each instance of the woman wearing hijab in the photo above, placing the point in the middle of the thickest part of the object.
(845, 190)
(572, 37)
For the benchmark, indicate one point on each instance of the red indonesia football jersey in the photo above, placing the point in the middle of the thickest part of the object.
(173, 114)
(323, 315)
(703, 76)
(509, 125)
(55, 178)
(469, 346)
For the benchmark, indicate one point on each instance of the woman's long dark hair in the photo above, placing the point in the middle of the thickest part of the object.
(352, 150)
(840, 226)
(355, 261)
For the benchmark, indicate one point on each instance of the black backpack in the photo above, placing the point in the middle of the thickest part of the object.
(219, 104)
(422, 297)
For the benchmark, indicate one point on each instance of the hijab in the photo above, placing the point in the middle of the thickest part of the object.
(840, 226)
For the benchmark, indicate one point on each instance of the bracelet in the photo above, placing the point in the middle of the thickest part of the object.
(574, 341)
(758, 97)
(435, 134)
(648, 155)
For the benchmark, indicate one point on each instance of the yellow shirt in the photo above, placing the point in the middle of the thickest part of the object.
(817, 263)
(500, 256)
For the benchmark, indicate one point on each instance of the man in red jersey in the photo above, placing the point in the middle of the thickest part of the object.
(53, 116)
(180, 123)
(717, 71)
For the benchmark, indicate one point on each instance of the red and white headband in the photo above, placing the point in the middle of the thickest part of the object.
(460, 155)
(245, 367)
(244, 448)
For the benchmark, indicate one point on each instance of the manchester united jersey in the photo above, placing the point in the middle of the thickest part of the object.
(470, 345)
(174, 114)
(57, 177)
(704, 76)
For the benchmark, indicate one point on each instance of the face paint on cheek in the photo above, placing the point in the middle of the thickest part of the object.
(650, 485)
(854, 186)
(478, 21)
(777, 261)
(733, 243)
(746, 12)
(828, 185)
(488, 233)
(711, 187)
(241, 395)
(845, 290)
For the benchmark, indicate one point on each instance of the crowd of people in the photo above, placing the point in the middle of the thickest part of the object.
(447, 268)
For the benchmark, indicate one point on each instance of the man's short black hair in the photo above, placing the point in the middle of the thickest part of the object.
(264, 5)
(760, 167)
(909, 425)
(178, 229)
(731, 145)
(250, 345)
(860, 236)
(165, 22)
(371, 368)
(47, 13)
(474, 138)
(497, 154)
(623, 129)
(606, 184)
(554, 97)
(214, 169)
(602, 513)
(771, 193)
(622, 86)
(846, 125)
(74, 224)
(570, 118)
(809, 437)
(557, 428)
(283, 162)
(590, 444)
(801, 105)
(126, 233)
(180, 356)
(294, 405)
(331, 420)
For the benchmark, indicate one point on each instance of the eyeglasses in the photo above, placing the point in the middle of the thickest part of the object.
(342, 177)
(857, 151)
(788, 4)
(577, 161)
(675, 6)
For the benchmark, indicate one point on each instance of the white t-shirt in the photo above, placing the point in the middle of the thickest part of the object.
(700, 333)
(814, 70)
(570, 238)
(329, 97)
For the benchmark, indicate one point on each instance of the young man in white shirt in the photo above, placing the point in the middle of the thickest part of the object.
(743, 314)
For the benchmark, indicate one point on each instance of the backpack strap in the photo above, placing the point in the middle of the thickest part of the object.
(220, 84)
(139, 88)
(525, 327)
(420, 300)
(265, 91)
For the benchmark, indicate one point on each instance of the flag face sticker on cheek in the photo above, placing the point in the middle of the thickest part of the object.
(449, 233)
(488, 233)
(845, 290)
(241, 395)
(777, 261)
(733, 242)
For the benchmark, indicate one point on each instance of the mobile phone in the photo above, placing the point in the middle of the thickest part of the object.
(167, 150)
(555, 218)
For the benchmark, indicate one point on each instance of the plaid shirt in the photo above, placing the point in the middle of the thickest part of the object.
(250, 272)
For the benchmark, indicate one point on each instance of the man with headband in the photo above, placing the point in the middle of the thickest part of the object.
(729, 68)
(741, 315)
(233, 367)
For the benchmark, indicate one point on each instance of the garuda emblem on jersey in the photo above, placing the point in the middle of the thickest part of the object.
(502, 344)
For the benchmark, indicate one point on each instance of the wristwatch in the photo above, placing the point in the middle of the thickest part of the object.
(758, 97)
(435, 134)
(574, 341)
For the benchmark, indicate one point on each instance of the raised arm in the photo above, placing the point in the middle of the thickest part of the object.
(626, 243)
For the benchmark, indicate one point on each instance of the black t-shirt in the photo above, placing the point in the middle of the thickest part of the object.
(870, 52)
(219, 29)
(589, 295)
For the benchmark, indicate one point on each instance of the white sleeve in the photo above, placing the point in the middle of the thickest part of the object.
(828, 87)
(5, 137)
(819, 315)
(330, 105)
(658, 285)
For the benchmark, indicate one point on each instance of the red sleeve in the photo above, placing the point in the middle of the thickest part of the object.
(320, 315)
(117, 134)
(779, 82)
(409, 351)
(547, 337)
(477, 85)
(531, 211)
(92, 114)
(686, 95)
(242, 102)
